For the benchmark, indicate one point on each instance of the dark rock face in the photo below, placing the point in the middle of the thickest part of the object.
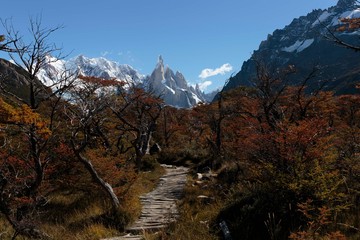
(15, 80)
(346, 3)
(305, 44)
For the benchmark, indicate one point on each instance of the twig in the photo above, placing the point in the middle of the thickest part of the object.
(349, 226)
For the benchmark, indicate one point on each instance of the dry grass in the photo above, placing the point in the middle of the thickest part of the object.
(145, 182)
(79, 214)
(88, 232)
(196, 216)
(5, 230)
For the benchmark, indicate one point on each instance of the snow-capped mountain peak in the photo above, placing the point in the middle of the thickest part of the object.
(104, 68)
(173, 88)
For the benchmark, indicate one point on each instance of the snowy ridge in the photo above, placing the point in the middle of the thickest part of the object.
(306, 42)
(307, 30)
(173, 88)
(52, 71)
(104, 68)
(97, 67)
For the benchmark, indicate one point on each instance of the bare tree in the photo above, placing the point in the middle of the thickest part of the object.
(4, 44)
(33, 56)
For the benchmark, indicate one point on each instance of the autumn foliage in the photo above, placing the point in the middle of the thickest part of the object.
(288, 154)
(72, 145)
(349, 24)
(287, 159)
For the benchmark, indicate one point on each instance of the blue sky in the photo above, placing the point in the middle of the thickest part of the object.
(206, 40)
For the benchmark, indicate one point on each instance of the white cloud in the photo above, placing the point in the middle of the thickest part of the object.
(204, 85)
(105, 53)
(126, 56)
(208, 72)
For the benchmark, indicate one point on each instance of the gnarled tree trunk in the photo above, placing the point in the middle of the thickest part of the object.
(98, 180)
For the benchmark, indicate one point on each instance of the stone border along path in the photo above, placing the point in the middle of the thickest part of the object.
(159, 206)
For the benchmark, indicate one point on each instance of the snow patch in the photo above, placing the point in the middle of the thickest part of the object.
(335, 21)
(348, 14)
(305, 44)
(293, 47)
(322, 18)
(298, 46)
(170, 89)
(283, 38)
(196, 98)
(351, 14)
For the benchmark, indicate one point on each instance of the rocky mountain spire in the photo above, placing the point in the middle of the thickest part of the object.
(160, 60)
(173, 88)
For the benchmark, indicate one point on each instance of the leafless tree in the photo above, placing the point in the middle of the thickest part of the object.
(4, 44)
(33, 56)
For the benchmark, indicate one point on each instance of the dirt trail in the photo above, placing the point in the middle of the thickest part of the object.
(159, 206)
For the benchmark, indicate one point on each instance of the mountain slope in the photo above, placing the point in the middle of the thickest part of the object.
(304, 44)
(103, 68)
(172, 87)
(15, 80)
(97, 67)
